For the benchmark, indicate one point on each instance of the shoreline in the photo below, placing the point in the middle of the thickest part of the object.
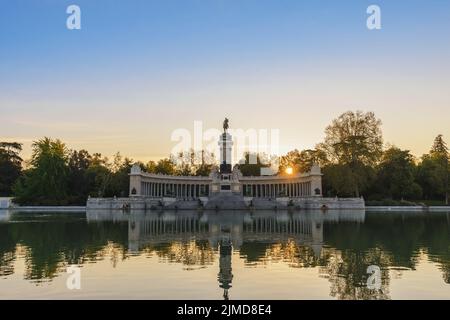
(46, 209)
(381, 209)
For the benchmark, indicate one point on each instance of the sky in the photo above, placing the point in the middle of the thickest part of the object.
(137, 70)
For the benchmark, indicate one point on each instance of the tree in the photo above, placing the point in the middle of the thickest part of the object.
(395, 177)
(439, 153)
(194, 163)
(354, 140)
(339, 180)
(207, 162)
(98, 175)
(433, 171)
(10, 166)
(120, 181)
(165, 166)
(301, 161)
(439, 147)
(46, 183)
(80, 181)
(429, 177)
(251, 164)
(150, 167)
(108, 178)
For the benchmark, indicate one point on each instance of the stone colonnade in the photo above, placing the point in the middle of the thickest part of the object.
(273, 190)
(179, 190)
(140, 185)
(186, 187)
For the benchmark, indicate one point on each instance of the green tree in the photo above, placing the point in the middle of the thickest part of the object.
(433, 171)
(429, 177)
(395, 177)
(204, 170)
(339, 179)
(439, 153)
(150, 167)
(46, 182)
(206, 163)
(98, 175)
(80, 181)
(165, 166)
(302, 161)
(439, 147)
(354, 140)
(194, 163)
(10, 166)
(109, 179)
(120, 180)
(184, 163)
(251, 164)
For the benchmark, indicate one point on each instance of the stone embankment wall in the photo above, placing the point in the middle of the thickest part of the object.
(311, 203)
(330, 203)
(123, 203)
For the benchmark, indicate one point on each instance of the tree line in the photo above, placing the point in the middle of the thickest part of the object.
(353, 158)
(56, 175)
(355, 163)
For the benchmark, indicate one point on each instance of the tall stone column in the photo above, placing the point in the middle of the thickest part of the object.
(225, 144)
(135, 181)
(316, 181)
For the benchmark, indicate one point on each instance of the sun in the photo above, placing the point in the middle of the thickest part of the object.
(289, 170)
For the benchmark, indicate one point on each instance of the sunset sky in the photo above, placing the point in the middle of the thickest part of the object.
(138, 70)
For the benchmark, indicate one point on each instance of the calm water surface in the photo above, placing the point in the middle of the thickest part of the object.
(225, 255)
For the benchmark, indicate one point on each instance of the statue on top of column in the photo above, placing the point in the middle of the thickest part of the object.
(225, 125)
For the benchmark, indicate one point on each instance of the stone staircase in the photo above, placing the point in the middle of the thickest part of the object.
(226, 201)
(183, 205)
(267, 204)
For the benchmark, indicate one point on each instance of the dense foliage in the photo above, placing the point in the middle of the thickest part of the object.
(352, 158)
(354, 164)
(10, 166)
(58, 176)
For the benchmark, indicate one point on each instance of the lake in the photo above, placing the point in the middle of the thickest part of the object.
(224, 255)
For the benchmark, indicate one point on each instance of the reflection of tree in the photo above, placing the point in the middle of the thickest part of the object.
(49, 244)
(225, 276)
(347, 272)
(114, 251)
(190, 253)
(402, 236)
(446, 272)
(7, 263)
(254, 252)
(297, 256)
(7, 251)
(438, 240)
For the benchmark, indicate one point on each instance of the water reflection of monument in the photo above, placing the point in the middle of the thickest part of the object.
(225, 276)
(226, 231)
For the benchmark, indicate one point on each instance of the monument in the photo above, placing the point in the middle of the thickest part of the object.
(225, 144)
(226, 189)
